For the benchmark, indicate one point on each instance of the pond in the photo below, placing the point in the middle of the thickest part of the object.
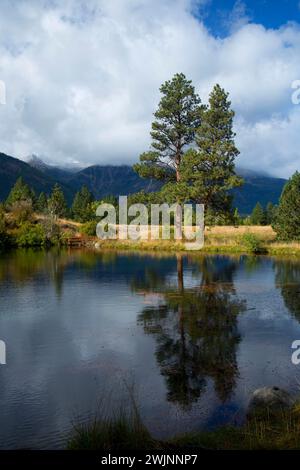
(191, 337)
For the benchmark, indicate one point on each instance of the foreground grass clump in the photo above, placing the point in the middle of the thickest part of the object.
(279, 431)
(122, 431)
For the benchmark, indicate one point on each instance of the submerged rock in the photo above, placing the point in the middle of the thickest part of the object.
(269, 400)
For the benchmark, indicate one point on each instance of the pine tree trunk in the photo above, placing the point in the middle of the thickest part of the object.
(178, 215)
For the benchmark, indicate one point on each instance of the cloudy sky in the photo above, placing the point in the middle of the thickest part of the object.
(82, 76)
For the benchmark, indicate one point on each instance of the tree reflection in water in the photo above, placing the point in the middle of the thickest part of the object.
(196, 331)
(287, 278)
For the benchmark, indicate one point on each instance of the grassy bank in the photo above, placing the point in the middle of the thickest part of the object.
(123, 432)
(219, 239)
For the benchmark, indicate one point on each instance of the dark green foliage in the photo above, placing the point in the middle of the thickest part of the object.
(208, 171)
(4, 238)
(147, 199)
(176, 120)
(57, 205)
(110, 199)
(237, 219)
(219, 217)
(42, 203)
(287, 223)
(89, 228)
(258, 216)
(81, 208)
(270, 213)
(30, 235)
(252, 243)
(288, 281)
(20, 192)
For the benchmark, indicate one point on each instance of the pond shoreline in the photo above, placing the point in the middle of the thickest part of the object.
(217, 240)
(175, 247)
(168, 248)
(277, 430)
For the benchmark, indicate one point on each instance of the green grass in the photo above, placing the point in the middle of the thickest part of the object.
(169, 246)
(120, 432)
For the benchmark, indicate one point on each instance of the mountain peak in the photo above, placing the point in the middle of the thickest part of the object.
(36, 162)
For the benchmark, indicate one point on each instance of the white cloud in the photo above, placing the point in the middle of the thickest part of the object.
(82, 78)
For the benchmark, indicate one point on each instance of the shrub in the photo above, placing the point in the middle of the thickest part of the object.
(21, 211)
(30, 235)
(89, 228)
(251, 242)
(4, 238)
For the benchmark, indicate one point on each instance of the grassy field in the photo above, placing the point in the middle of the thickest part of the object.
(218, 239)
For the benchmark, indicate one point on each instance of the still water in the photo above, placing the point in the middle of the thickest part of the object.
(193, 336)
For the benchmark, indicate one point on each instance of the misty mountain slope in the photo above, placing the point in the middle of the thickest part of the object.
(257, 188)
(102, 180)
(122, 180)
(11, 169)
(116, 180)
(55, 172)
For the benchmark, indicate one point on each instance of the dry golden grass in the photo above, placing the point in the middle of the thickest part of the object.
(225, 239)
(264, 231)
(61, 222)
(231, 236)
(293, 245)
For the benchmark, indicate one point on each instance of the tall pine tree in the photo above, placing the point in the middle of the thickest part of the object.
(41, 204)
(173, 130)
(287, 220)
(209, 169)
(20, 192)
(258, 216)
(57, 205)
(81, 207)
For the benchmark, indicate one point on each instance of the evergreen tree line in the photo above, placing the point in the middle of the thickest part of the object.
(258, 216)
(23, 197)
(30, 220)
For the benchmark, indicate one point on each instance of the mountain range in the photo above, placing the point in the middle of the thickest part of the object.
(105, 180)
